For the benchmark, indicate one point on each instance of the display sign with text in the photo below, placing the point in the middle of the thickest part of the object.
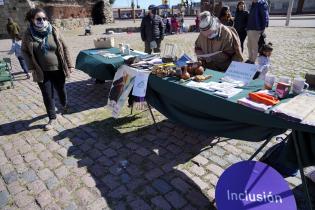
(240, 73)
(253, 185)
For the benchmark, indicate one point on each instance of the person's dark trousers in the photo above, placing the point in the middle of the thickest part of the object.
(23, 64)
(262, 40)
(147, 48)
(242, 35)
(53, 80)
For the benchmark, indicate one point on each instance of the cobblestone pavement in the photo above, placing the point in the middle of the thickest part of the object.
(90, 161)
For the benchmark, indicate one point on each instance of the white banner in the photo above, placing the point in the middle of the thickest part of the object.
(1, 2)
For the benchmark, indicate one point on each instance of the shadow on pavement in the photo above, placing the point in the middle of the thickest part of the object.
(138, 168)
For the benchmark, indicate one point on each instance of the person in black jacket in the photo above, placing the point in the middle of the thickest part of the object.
(152, 30)
(240, 21)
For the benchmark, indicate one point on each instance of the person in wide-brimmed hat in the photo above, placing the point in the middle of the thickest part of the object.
(215, 37)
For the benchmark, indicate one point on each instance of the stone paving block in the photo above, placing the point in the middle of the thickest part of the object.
(72, 183)
(4, 198)
(119, 192)
(162, 186)
(52, 163)
(62, 195)
(217, 170)
(120, 206)
(44, 198)
(197, 170)
(61, 172)
(88, 181)
(70, 161)
(160, 203)
(29, 176)
(25, 149)
(39, 147)
(200, 160)
(84, 196)
(45, 174)
(218, 160)
(143, 151)
(37, 165)
(71, 206)
(14, 188)
(212, 178)
(52, 206)
(62, 152)
(45, 155)
(100, 203)
(180, 185)
(22, 199)
(110, 181)
(176, 200)
(10, 177)
(201, 184)
(110, 152)
(52, 183)
(98, 170)
(139, 204)
(198, 199)
(31, 206)
(36, 187)
(153, 174)
(30, 156)
(17, 159)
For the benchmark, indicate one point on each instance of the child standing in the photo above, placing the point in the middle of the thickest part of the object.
(264, 60)
(16, 49)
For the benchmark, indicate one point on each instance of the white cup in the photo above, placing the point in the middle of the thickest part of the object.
(284, 79)
(269, 81)
(299, 85)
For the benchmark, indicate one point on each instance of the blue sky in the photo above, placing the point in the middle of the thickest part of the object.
(143, 3)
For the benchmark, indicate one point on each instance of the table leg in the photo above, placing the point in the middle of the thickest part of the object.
(152, 115)
(260, 148)
(298, 156)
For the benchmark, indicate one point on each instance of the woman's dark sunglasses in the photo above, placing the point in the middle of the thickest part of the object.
(39, 19)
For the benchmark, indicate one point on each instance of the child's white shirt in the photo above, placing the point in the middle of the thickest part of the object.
(263, 66)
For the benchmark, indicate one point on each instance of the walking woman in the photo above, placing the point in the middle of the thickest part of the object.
(240, 21)
(48, 59)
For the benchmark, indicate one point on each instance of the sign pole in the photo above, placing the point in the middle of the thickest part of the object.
(289, 13)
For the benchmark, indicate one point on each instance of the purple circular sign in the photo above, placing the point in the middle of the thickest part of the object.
(255, 186)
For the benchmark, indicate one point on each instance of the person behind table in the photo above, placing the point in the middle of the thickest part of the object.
(48, 58)
(263, 59)
(13, 29)
(215, 37)
(197, 22)
(258, 20)
(16, 49)
(240, 21)
(225, 16)
(152, 30)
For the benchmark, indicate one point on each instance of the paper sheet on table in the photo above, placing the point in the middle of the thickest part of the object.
(228, 93)
(208, 55)
(141, 82)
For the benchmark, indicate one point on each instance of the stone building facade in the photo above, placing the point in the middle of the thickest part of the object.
(65, 14)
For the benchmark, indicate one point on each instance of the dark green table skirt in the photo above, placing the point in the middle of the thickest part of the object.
(215, 115)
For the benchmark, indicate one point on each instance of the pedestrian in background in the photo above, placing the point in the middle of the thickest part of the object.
(174, 24)
(258, 20)
(240, 21)
(16, 49)
(13, 29)
(225, 16)
(152, 30)
(48, 59)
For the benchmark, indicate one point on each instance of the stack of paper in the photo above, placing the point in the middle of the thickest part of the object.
(299, 109)
(249, 103)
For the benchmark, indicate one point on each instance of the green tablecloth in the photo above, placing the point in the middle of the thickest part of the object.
(215, 115)
(98, 67)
